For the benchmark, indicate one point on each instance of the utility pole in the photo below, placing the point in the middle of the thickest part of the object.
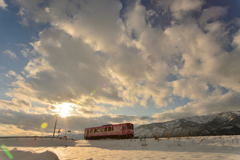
(55, 125)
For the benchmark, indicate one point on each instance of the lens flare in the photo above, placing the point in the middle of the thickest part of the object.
(6, 151)
(44, 125)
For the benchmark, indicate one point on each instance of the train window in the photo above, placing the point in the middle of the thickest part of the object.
(110, 128)
(130, 126)
(95, 130)
(124, 127)
(105, 129)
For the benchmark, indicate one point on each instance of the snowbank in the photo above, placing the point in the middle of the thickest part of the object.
(26, 155)
(14, 144)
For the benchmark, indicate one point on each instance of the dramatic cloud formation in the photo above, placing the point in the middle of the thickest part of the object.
(106, 55)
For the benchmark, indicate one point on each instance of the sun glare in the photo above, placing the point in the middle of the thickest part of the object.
(64, 109)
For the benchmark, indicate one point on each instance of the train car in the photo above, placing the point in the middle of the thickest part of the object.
(118, 131)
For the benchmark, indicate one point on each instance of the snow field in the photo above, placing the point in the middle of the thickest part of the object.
(185, 148)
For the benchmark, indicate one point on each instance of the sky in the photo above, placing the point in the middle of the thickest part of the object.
(94, 62)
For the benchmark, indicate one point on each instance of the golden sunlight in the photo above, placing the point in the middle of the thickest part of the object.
(64, 109)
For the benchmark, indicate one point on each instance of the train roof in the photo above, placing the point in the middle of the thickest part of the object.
(108, 125)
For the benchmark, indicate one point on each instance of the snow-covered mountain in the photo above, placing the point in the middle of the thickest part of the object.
(227, 123)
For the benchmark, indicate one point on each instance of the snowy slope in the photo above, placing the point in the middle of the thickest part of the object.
(217, 124)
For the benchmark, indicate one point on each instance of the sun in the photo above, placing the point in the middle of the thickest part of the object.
(64, 109)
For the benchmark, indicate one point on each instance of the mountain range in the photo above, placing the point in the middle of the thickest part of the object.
(226, 123)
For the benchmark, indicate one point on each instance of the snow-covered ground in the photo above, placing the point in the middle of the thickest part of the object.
(192, 148)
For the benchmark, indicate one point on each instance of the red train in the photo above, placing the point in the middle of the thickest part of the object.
(124, 130)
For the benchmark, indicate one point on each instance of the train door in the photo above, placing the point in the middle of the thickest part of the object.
(85, 133)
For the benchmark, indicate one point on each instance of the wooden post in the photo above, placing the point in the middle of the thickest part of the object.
(55, 125)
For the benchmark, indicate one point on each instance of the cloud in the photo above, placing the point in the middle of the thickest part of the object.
(11, 74)
(3, 4)
(31, 123)
(136, 19)
(190, 88)
(97, 23)
(10, 54)
(12, 130)
(73, 62)
(28, 52)
(213, 104)
(84, 69)
(181, 8)
(37, 65)
(87, 44)
(24, 121)
(148, 58)
(236, 41)
(212, 14)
